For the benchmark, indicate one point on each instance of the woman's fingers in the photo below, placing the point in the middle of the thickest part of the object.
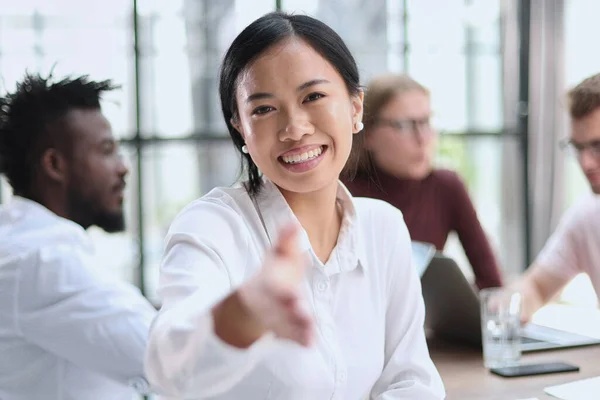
(287, 243)
(288, 264)
(274, 294)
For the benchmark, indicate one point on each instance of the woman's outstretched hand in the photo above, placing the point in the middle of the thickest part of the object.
(270, 300)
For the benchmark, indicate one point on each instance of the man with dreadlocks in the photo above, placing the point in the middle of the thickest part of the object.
(66, 332)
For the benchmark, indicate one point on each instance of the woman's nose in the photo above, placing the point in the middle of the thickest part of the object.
(296, 128)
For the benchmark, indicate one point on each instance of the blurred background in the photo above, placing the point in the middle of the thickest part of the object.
(497, 70)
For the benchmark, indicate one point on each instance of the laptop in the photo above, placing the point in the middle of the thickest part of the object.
(422, 254)
(453, 311)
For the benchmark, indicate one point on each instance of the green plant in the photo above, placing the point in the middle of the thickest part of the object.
(452, 153)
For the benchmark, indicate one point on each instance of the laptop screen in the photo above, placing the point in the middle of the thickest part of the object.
(422, 254)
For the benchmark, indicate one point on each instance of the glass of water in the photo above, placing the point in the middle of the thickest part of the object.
(500, 327)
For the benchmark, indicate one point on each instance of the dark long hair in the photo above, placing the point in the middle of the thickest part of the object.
(254, 40)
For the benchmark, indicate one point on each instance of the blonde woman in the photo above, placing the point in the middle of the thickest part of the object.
(396, 166)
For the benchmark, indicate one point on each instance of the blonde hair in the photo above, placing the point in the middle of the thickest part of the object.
(585, 97)
(380, 91)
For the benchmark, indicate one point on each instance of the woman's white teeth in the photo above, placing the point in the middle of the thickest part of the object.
(297, 158)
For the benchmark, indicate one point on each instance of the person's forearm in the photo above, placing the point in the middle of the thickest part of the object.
(488, 276)
(483, 262)
(531, 298)
(480, 254)
(234, 324)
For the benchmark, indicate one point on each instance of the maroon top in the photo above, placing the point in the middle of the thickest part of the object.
(432, 208)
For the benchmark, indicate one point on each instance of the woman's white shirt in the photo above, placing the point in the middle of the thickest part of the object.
(366, 302)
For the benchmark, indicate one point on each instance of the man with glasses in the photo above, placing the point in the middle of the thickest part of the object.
(66, 330)
(575, 245)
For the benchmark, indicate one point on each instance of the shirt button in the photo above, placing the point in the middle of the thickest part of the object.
(322, 286)
(341, 377)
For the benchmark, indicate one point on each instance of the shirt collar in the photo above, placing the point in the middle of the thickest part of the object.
(350, 247)
(19, 208)
(351, 243)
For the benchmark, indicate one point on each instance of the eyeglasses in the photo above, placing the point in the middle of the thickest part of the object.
(407, 125)
(577, 149)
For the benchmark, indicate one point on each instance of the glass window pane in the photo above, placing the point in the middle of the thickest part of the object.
(478, 161)
(580, 25)
(182, 43)
(459, 61)
(361, 23)
(484, 110)
(165, 88)
(435, 25)
(116, 253)
(71, 38)
(447, 86)
(174, 175)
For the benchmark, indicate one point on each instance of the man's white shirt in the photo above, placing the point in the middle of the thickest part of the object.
(67, 332)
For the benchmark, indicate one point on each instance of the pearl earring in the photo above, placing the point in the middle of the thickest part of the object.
(245, 149)
(359, 126)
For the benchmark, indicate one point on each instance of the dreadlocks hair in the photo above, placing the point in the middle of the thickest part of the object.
(26, 115)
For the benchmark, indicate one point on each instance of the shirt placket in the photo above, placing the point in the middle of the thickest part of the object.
(323, 296)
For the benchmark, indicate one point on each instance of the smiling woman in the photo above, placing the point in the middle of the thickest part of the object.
(287, 287)
(257, 84)
(284, 116)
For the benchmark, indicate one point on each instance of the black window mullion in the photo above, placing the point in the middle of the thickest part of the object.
(138, 143)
